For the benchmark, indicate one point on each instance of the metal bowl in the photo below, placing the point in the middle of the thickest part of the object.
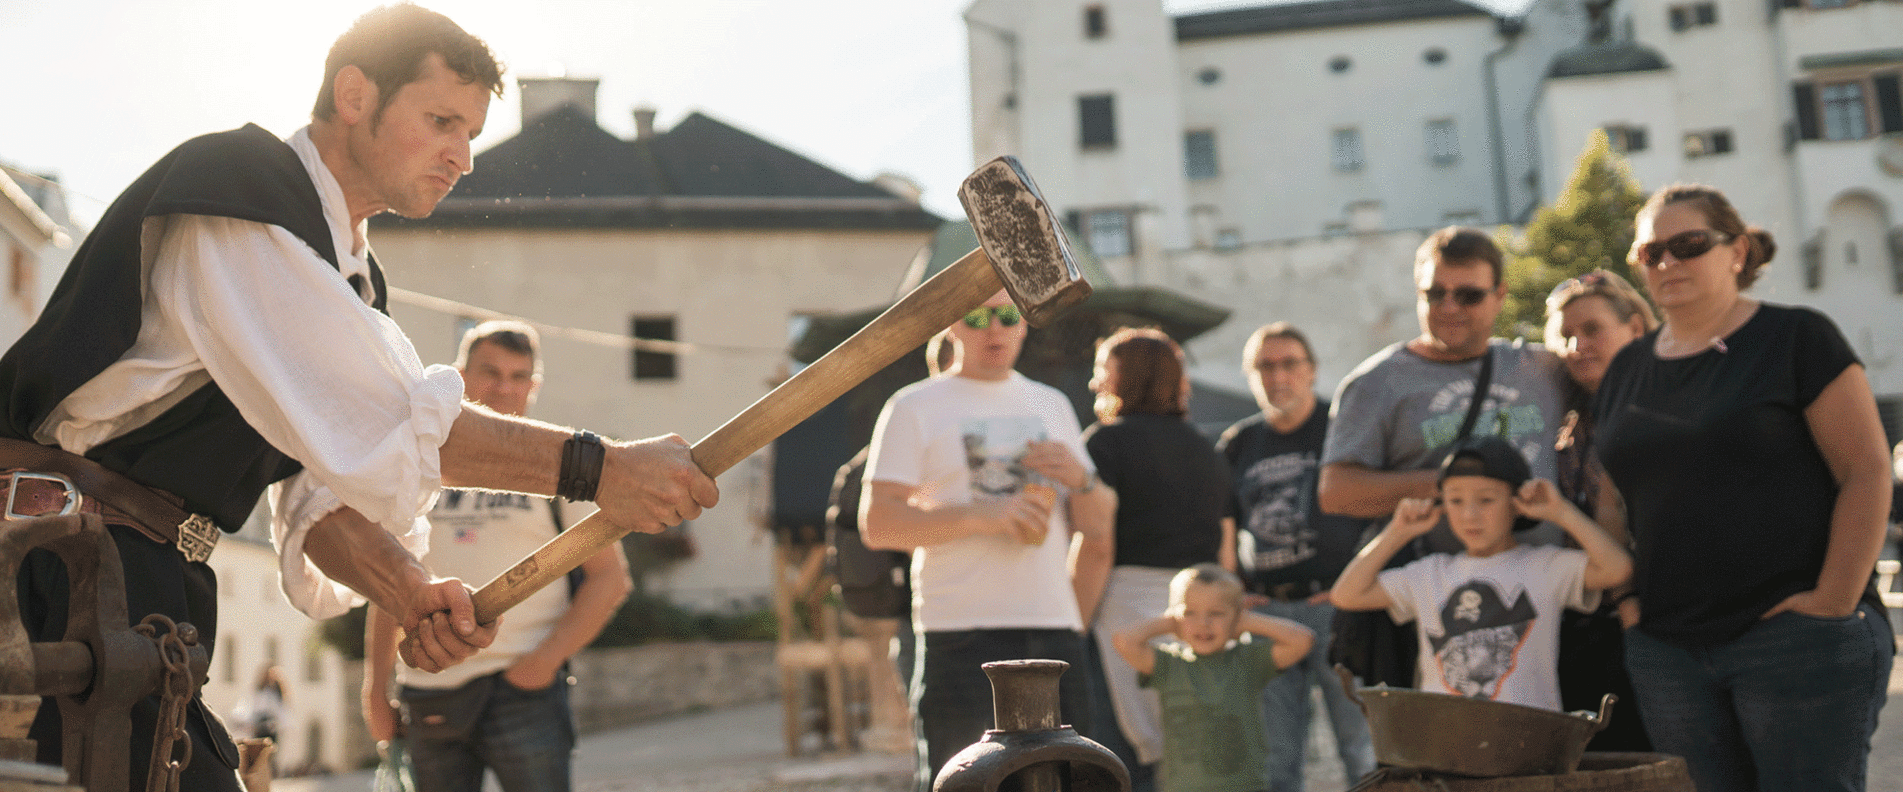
(1456, 735)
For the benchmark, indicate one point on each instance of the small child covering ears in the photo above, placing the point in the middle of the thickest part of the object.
(1210, 679)
(1489, 616)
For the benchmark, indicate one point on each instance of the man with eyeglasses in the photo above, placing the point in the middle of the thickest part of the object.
(982, 474)
(1396, 414)
(1291, 551)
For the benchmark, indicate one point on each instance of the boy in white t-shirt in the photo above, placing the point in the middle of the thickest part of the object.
(1489, 616)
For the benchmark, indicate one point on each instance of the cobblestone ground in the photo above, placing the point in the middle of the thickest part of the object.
(741, 750)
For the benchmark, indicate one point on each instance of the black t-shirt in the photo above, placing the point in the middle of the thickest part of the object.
(1276, 476)
(1172, 489)
(1727, 495)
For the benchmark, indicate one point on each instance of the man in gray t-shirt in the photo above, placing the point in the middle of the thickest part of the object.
(1396, 414)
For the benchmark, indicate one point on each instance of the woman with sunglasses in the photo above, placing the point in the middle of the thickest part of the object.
(1172, 491)
(1588, 320)
(1745, 442)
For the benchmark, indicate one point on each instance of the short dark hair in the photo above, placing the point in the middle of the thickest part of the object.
(1459, 246)
(391, 42)
(1149, 374)
(512, 336)
(1274, 330)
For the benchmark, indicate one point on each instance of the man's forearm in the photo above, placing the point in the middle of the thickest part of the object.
(489, 450)
(1355, 491)
(358, 553)
(1094, 548)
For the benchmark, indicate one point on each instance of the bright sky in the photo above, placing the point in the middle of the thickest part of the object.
(99, 89)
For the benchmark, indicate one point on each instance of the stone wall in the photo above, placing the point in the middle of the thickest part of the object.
(616, 687)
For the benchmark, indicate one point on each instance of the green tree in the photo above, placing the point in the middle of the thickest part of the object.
(1589, 227)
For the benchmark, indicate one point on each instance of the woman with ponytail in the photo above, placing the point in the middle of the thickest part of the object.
(1744, 442)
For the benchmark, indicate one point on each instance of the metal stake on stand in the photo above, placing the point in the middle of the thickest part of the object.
(1031, 751)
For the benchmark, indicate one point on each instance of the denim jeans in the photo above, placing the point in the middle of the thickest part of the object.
(1286, 709)
(526, 737)
(1789, 705)
(951, 696)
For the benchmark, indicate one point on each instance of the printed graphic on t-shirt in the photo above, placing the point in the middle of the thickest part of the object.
(1521, 424)
(1481, 636)
(1279, 488)
(994, 453)
(462, 513)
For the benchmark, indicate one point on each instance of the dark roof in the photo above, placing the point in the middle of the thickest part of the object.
(1605, 57)
(1319, 14)
(564, 170)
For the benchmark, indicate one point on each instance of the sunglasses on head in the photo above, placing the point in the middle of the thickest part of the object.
(980, 318)
(1683, 245)
(1582, 284)
(1464, 296)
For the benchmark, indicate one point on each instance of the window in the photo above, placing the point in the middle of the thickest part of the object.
(1339, 64)
(1097, 121)
(1691, 15)
(1849, 109)
(1107, 231)
(1347, 150)
(1199, 154)
(651, 364)
(1095, 23)
(1708, 143)
(1443, 142)
(1625, 139)
(1434, 56)
(1228, 239)
(1844, 115)
(1209, 76)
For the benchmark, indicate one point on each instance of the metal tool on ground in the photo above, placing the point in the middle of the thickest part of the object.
(1031, 751)
(1022, 250)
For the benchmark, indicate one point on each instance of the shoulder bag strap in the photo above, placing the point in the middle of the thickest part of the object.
(1481, 383)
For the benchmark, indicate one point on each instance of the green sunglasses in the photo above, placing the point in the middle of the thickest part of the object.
(980, 318)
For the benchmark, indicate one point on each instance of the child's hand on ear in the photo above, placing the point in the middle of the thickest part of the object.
(1540, 500)
(1414, 517)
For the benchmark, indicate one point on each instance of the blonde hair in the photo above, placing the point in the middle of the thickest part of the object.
(1205, 574)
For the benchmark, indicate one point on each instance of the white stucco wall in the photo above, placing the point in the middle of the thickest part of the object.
(733, 294)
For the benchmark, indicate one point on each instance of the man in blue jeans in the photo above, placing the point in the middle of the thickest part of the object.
(506, 708)
(981, 473)
(1295, 551)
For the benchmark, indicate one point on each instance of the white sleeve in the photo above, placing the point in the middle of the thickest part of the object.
(897, 447)
(296, 505)
(323, 377)
(1566, 567)
(1401, 585)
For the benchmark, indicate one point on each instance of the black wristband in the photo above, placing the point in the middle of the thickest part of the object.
(580, 475)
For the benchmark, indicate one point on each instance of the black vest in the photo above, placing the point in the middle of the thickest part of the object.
(201, 450)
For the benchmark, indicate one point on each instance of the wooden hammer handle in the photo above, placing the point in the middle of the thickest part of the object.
(932, 307)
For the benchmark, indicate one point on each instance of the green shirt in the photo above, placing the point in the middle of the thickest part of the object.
(1213, 738)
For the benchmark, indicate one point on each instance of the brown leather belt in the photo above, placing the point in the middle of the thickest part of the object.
(159, 515)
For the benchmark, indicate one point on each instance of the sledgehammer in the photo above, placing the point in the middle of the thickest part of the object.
(1021, 249)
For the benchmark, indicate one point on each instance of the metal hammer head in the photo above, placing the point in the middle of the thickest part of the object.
(1023, 240)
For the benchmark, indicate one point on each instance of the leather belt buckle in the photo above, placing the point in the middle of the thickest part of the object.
(197, 536)
(13, 493)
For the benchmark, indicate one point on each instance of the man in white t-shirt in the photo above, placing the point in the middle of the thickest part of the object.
(983, 475)
(505, 708)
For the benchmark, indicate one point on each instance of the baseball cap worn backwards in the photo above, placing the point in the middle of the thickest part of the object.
(1494, 458)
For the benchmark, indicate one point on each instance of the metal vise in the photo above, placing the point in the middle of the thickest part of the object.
(101, 668)
(1030, 751)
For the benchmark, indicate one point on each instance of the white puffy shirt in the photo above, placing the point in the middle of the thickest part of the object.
(321, 375)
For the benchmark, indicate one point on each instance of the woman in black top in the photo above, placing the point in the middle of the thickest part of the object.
(1588, 320)
(1745, 441)
(1172, 494)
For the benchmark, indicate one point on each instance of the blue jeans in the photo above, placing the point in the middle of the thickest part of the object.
(1286, 709)
(526, 737)
(951, 696)
(1789, 705)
